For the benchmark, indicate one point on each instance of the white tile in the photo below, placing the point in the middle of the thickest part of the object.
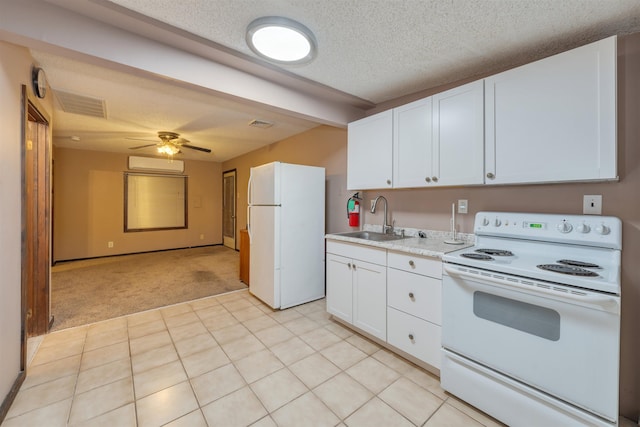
(195, 344)
(230, 333)
(192, 419)
(46, 372)
(314, 370)
(101, 400)
(158, 378)
(153, 358)
(373, 374)
(343, 395)
(393, 361)
(42, 395)
(292, 350)
(153, 410)
(238, 409)
(143, 317)
(148, 328)
(111, 353)
(204, 361)
(448, 416)
(46, 354)
(307, 410)
(338, 329)
(301, 325)
(376, 412)
(149, 342)
(247, 313)
(363, 344)
(320, 338)
(220, 321)
(258, 365)
(182, 319)
(54, 415)
(105, 338)
(190, 330)
(242, 347)
(483, 418)
(203, 303)
(175, 310)
(274, 335)
(103, 375)
(259, 323)
(343, 355)
(123, 416)
(278, 389)
(217, 383)
(411, 400)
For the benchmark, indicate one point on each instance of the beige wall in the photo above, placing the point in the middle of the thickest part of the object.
(324, 146)
(89, 207)
(15, 71)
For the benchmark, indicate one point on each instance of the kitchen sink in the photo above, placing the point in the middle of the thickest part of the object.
(372, 235)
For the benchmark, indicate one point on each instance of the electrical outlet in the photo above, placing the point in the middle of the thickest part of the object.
(592, 205)
(109, 244)
(462, 206)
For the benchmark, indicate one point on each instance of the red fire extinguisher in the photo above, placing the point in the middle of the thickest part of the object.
(353, 211)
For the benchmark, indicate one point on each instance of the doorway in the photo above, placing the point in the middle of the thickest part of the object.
(36, 199)
(229, 208)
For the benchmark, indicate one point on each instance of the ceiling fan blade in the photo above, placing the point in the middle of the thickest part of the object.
(141, 146)
(193, 147)
(140, 139)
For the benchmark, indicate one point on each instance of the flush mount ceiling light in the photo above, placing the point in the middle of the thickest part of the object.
(281, 40)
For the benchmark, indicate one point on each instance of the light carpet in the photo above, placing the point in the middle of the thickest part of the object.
(92, 290)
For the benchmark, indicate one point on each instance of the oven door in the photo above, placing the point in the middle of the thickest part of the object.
(559, 340)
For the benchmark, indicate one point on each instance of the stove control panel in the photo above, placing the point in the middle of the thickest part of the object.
(589, 230)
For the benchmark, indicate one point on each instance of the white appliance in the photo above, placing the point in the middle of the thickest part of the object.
(531, 319)
(285, 221)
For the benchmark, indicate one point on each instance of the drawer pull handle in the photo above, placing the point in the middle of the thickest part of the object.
(411, 337)
(412, 296)
(412, 264)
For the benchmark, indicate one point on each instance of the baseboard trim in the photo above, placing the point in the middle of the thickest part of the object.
(134, 253)
(8, 400)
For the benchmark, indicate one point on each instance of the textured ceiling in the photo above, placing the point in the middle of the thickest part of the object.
(382, 49)
(375, 50)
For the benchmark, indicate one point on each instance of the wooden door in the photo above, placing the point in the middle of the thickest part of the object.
(229, 209)
(36, 220)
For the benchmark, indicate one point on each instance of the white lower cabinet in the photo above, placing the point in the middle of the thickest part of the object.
(393, 296)
(415, 336)
(357, 286)
(414, 301)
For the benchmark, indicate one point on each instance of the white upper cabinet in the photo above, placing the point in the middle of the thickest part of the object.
(370, 152)
(555, 119)
(412, 144)
(458, 136)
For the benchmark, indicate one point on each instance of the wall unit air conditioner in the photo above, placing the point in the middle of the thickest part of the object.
(155, 164)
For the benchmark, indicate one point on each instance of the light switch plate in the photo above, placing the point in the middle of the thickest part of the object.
(462, 206)
(592, 204)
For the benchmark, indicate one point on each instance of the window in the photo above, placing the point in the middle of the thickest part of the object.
(154, 202)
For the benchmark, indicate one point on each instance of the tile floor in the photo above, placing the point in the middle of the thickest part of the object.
(228, 361)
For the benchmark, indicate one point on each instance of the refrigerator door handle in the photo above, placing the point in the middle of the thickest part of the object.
(249, 190)
(249, 222)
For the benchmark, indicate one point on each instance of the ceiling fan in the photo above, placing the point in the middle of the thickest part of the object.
(170, 144)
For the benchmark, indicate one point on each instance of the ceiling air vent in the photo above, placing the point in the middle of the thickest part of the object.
(80, 104)
(262, 124)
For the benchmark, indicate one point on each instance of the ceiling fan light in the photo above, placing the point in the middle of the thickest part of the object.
(168, 149)
(281, 40)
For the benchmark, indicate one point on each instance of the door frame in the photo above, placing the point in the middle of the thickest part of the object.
(230, 242)
(36, 224)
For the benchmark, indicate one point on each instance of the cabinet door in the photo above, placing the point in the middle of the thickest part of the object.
(554, 119)
(370, 298)
(412, 144)
(339, 287)
(458, 135)
(369, 152)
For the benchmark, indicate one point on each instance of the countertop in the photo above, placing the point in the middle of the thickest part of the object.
(432, 246)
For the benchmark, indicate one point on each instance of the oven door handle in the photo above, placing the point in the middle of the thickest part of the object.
(610, 303)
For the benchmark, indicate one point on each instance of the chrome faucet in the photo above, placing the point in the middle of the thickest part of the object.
(386, 228)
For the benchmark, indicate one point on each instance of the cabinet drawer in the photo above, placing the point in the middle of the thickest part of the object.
(361, 252)
(417, 295)
(415, 264)
(415, 336)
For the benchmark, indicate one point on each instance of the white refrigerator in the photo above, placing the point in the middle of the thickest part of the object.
(285, 220)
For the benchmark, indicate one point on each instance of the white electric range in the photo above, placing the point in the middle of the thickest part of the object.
(531, 319)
